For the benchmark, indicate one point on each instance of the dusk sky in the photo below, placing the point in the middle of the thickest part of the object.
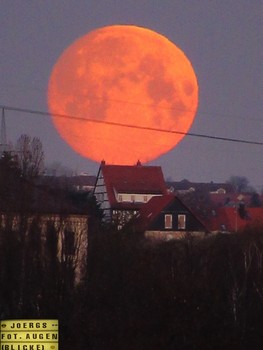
(222, 39)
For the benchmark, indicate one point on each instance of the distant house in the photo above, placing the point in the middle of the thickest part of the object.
(81, 183)
(167, 217)
(26, 205)
(231, 219)
(121, 190)
(186, 186)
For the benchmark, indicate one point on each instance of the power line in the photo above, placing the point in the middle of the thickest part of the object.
(42, 113)
(220, 114)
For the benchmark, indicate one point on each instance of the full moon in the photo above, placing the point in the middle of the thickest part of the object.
(121, 94)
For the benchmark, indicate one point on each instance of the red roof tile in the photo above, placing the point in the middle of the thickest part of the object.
(133, 179)
(228, 219)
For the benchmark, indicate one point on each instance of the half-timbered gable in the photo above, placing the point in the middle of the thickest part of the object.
(121, 190)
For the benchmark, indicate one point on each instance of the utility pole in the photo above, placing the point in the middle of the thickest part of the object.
(3, 142)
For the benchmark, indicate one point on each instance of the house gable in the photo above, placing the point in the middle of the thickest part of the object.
(182, 218)
(167, 214)
(127, 188)
(101, 194)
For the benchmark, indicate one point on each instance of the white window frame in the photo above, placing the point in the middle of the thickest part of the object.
(168, 221)
(181, 221)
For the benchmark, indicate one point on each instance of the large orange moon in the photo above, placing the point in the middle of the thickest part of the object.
(122, 93)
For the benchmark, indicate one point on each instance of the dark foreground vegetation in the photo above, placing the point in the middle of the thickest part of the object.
(188, 294)
(134, 294)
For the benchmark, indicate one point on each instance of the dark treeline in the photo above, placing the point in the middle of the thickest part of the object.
(134, 294)
(187, 294)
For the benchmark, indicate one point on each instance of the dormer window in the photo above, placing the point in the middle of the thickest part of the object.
(168, 221)
(181, 222)
(119, 198)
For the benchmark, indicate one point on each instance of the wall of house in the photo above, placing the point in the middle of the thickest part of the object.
(133, 197)
(73, 228)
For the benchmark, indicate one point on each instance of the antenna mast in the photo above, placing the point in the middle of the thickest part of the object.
(3, 142)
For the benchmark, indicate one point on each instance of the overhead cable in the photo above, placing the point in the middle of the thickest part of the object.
(83, 119)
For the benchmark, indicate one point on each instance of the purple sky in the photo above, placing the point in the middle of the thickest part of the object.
(222, 39)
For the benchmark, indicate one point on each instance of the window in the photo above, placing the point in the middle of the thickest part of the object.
(132, 198)
(145, 199)
(223, 227)
(120, 198)
(69, 242)
(168, 221)
(181, 222)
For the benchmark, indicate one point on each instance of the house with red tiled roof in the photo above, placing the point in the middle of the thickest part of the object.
(231, 219)
(167, 217)
(231, 199)
(121, 190)
(186, 186)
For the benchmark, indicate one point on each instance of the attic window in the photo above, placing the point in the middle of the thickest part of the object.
(221, 191)
(168, 221)
(181, 222)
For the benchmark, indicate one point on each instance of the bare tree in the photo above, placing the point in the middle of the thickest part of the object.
(30, 155)
(57, 169)
(240, 183)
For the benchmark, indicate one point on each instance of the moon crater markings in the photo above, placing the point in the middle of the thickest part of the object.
(127, 75)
